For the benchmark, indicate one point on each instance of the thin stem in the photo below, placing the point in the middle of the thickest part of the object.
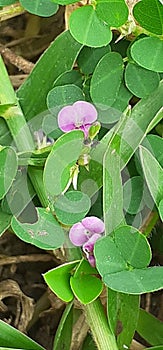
(19, 129)
(149, 223)
(36, 176)
(99, 326)
(11, 11)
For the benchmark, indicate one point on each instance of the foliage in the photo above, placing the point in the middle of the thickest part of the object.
(114, 62)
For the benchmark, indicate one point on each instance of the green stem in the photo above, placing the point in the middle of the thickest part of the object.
(19, 129)
(99, 326)
(36, 176)
(149, 223)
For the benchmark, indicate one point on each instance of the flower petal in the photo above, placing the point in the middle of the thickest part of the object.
(84, 111)
(78, 235)
(92, 260)
(93, 224)
(89, 245)
(66, 119)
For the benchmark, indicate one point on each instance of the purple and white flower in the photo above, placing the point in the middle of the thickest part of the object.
(85, 234)
(81, 115)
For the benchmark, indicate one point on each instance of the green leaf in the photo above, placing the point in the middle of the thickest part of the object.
(90, 56)
(147, 321)
(137, 281)
(58, 280)
(123, 312)
(70, 77)
(105, 83)
(84, 283)
(50, 126)
(133, 246)
(64, 2)
(7, 2)
(153, 47)
(133, 190)
(131, 129)
(72, 207)
(149, 15)
(108, 257)
(61, 96)
(140, 81)
(5, 220)
(63, 334)
(160, 208)
(19, 195)
(113, 12)
(45, 233)
(7, 94)
(154, 144)
(8, 169)
(109, 115)
(59, 162)
(112, 187)
(121, 259)
(44, 8)
(128, 247)
(51, 65)
(153, 173)
(84, 23)
(5, 136)
(122, 99)
(89, 344)
(11, 337)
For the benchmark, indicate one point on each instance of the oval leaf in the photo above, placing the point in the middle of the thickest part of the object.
(58, 280)
(45, 233)
(63, 156)
(72, 207)
(62, 96)
(84, 23)
(153, 47)
(113, 12)
(137, 281)
(90, 56)
(140, 81)
(73, 77)
(106, 80)
(8, 169)
(44, 8)
(108, 257)
(149, 15)
(84, 283)
(133, 246)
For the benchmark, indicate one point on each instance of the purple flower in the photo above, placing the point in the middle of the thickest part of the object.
(85, 234)
(80, 115)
